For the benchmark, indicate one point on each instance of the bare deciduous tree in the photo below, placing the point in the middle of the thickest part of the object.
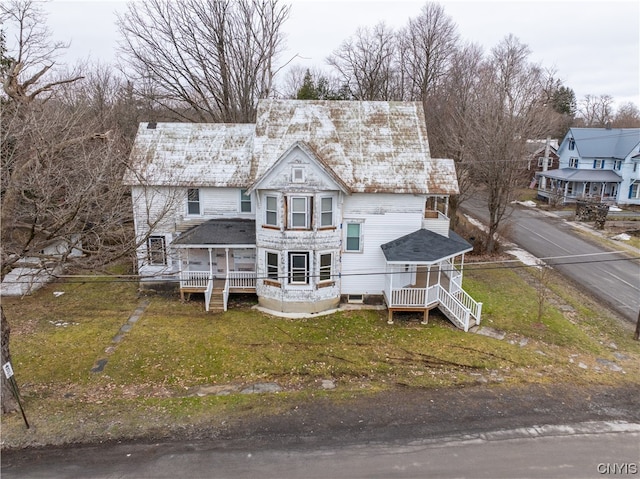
(205, 60)
(428, 42)
(451, 111)
(509, 109)
(367, 63)
(627, 116)
(596, 111)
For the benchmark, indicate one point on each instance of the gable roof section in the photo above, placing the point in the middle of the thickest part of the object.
(424, 247)
(310, 154)
(603, 143)
(191, 154)
(370, 146)
(219, 232)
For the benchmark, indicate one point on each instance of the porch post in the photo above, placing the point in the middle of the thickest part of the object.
(390, 296)
(426, 299)
(210, 264)
(446, 206)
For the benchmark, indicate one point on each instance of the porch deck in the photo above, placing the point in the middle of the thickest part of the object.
(443, 291)
(203, 282)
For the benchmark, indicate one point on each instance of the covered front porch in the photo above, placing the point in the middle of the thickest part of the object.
(217, 258)
(567, 185)
(424, 271)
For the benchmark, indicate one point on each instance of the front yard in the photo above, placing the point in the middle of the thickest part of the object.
(161, 375)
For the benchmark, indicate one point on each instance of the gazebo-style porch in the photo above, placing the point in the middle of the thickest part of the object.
(422, 274)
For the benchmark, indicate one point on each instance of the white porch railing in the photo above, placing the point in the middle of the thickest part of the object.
(242, 279)
(207, 294)
(474, 307)
(460, 308)
(225, 294)
(457, 312)
(194, 279)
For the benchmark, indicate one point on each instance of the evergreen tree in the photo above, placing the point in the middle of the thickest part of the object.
(308, 89)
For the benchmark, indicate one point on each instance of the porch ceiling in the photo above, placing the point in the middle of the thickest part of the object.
(576, 174)
(425, 247)
(220, 232)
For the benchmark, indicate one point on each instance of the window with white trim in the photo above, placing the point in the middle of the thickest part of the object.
(326, 265)
(193, 201)
(156, 251)
(271, 211)
(572, 144)
(617, 165)
(326, 211)
(299, 268)
(598, 164)
(353, 237)
(272, 266)
(573, 162)
(297, 174)
(300, 212)
(245, 202)
(634, 191)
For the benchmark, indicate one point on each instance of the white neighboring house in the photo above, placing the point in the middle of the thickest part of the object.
(596, 163)
(317, 203)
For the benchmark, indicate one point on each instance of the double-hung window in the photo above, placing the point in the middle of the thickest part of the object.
(598, 164)
(573, 162)
(617, 165)
(272, 266)
(245, 202)
(299, 268)
(271, 211)
(326, 211)
(300, 212)
(193, 201)
(156, 250)
(326, 262)
(354, 237)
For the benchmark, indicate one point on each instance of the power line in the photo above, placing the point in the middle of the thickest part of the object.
(486, 266)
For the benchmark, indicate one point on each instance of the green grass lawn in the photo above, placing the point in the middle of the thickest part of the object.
(175, 347)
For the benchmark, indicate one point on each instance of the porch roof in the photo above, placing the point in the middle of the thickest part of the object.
(577, 174)
(219, 232)
(424, 247)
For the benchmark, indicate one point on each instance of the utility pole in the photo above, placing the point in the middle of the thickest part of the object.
(545, 163)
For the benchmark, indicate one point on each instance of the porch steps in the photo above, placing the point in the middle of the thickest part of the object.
(216, 303)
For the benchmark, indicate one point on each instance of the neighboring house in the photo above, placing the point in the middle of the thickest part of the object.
(602, 164)
(317, 203)
(538, 150)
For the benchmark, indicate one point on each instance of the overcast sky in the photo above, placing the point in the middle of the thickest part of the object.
(594, 47)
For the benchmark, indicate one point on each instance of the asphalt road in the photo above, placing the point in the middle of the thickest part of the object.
(603, 273)
(578, 451)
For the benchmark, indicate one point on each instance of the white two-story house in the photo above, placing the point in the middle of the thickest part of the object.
(317, 203)
(602, 164)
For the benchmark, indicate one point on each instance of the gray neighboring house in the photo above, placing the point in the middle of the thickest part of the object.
(316, 204)
(602, 164)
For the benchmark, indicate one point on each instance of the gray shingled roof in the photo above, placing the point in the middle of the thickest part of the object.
(577, 174)
(370, 146)
(220, 232)
(605, 142)
(425, 247)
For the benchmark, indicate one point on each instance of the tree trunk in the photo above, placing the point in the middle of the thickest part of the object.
(636, 335)
(9, 403)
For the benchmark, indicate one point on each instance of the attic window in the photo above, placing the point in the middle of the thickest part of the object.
(297, 175)
(152, 125)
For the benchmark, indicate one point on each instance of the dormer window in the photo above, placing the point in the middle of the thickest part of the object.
(297, 174)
